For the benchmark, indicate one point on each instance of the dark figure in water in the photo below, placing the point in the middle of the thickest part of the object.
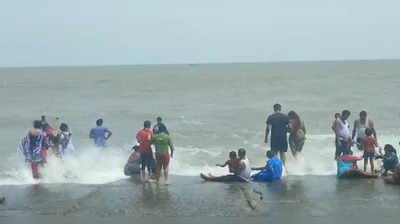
(159, 124)
(278, 123)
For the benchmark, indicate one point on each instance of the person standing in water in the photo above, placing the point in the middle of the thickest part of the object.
(297, 131)
(64, 137)
(337, 117)
(342, 134)
(143, 137)
(278, 124)
(162, 142)
(43, 121)
(33, 146)
(360, 125)
(100, 134)
(158, 125)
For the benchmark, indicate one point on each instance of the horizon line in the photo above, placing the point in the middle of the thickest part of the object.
(200, 63)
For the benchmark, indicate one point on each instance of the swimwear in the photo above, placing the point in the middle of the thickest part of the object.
(147, 160)
(369, 155)
(162, 161)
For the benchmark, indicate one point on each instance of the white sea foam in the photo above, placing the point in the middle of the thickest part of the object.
(92, 166)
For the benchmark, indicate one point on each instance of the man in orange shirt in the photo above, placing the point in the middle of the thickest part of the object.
(143, 137)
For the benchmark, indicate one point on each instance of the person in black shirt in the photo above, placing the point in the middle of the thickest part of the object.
(158, 125)
(278, 124)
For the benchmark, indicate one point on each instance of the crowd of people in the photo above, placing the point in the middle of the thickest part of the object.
(151, 165)
(43, 138)
(364, 137)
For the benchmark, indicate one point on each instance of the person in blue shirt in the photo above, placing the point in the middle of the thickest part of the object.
(100, 134)
(271, 171)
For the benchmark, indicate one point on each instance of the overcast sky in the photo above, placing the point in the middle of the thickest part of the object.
(104, 32)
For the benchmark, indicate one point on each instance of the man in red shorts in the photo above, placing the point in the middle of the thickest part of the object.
(162, 143)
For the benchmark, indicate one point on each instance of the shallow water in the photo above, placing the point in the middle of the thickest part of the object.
(302, 198)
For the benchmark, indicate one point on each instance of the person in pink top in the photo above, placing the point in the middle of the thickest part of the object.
(143, 137)
(368, 145)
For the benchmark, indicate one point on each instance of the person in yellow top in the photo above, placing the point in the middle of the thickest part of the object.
(162, 142)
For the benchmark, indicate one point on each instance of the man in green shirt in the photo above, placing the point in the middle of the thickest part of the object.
(162, 142)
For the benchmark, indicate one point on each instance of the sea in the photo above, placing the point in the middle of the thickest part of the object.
(210, 110)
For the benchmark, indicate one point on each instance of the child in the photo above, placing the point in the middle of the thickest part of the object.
(233, 163)
(271, 171)
(390, 159)
(64, 139)
(368, 145)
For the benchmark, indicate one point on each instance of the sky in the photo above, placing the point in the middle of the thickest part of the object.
(128, 32)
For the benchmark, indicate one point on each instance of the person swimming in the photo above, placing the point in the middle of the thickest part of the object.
(272, 169)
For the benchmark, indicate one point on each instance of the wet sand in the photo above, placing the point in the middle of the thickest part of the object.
(296, 199)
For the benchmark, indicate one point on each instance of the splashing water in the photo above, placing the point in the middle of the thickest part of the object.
(95, 166)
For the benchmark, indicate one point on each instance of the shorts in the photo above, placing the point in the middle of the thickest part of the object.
(279, 145)
(342, 148)
(369, 155)
(147, 161)
(162, 161)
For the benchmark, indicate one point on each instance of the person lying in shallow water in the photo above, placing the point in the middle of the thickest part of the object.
(241, 175)
(232, 163)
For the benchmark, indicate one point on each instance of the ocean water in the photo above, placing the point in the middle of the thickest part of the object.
(209, 109)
